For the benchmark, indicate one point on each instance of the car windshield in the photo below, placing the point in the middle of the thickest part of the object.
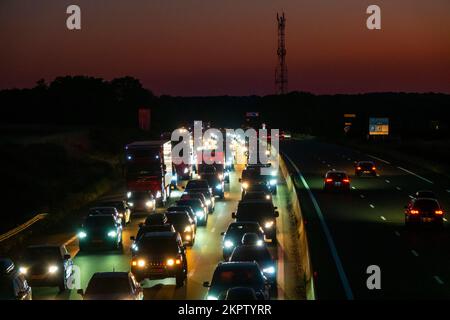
(158, 245)
(253, 174)
(241, 229)
(336, 175)
(43, 253)
(258, 187)
(108, 285)
(6, 288)
(179, 208)
(206, 169)
(244, 253)
(99, 221)
(140, 195)
(255, 209)
(256, 196)
(193, 203)
(197, 184)
(239, 276)
(178, 218)
(102, 211)
(425, 204)
(366, 164)
(117, 204)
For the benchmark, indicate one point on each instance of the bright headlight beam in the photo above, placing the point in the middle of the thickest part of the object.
(228, 244)
(52, 269)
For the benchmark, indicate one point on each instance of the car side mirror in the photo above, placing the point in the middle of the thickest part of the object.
(67, 256)
(233, 215)
(80, 292)
(132, 238)
(277, 214)
(222, 233)
(206, 284)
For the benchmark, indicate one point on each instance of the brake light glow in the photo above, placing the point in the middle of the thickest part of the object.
(439, 212)
(346, 180)
(414, 211)
(328, 180)
(374, 168)
(358, 168)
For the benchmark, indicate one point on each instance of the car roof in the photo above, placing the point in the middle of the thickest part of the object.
(237, 264)
(255, 201)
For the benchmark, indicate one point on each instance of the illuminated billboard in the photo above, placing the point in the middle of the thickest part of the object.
(378, 126)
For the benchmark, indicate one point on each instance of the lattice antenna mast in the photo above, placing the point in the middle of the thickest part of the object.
(281, 77)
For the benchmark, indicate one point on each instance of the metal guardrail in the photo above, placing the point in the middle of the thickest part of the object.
(22, 227)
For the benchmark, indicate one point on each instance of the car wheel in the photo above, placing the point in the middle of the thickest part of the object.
(180, 279)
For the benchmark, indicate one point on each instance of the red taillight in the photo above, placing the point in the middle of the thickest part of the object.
(346, 180)
(358, 168)
(328, 180)
(414, 211)
(374, 168)
(439, 212)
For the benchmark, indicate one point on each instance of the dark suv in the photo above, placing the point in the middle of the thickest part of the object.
(101, 230)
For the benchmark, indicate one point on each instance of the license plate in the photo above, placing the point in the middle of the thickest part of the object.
(38, 277)
(337, 184)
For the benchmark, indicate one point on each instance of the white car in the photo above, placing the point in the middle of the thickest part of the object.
(112, 286)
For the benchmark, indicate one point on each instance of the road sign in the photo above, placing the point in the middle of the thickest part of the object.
(378, 126)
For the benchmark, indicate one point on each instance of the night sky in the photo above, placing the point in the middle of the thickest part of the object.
(212, 47)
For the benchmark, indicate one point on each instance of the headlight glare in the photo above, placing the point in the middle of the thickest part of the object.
(52, 269)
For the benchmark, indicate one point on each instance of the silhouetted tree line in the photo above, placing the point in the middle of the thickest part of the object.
(81, 100)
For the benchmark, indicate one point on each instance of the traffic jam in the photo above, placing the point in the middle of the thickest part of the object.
(174, 200)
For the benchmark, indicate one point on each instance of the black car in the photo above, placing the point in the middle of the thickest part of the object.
(269, 177)
(105, 210)
(336, 180)
(257, 195)
(200, 210)
(424, 210)
(215, 179)
(47, 266)
(184, 225)
(194, 195)
(237, 274)
(121, 206)
(259, 254)
(365, 167)
(262, 212)
(233, 236)
(187, 209)
(13, 285)
(101, 231)
(202, 185)
(141, 201)
(112, 286)
(160, 255)
(156, 219)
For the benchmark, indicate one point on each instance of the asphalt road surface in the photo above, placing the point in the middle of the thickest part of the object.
(348, 232)
(202, 258)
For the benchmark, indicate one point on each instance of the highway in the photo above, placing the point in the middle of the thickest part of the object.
(202, 258)
(350, 231)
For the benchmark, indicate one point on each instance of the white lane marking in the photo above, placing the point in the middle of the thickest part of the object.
(414, 252)
(448, 190)
(398, 188)
(353, 187)
(213, 229)
(438, 280)
(445, 219)
(387, 181)
(383, 218)
(70, 240)
(329, 165)
(379, 159)
(362, 196)
(349, 159)
(397, 233)
(372, 206)
(334, 253)
(416, 175)
(412, 197)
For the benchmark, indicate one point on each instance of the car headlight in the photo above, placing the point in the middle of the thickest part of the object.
(186, 170)
(174, 178)
(268, 224)
(170, 262)
(273, 173)
(141, 263)
(259, 243)
(188, 229)
(219, 187)
(228, 244)
(208, 202)
(267, 152)
(158, 194)
(131, 204)
(273, 182)
(245, 185)
(52, 269)
(267, 197)
(82, 234)
(269, 270)
(211, 298)
(149, 204)
(200, 214)
(220, 176)
(129, 194)
(121, 215)
(134, 247)
(23, 270)
(112, 234)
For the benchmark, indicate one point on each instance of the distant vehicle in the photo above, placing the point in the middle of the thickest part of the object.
(214, 177)
(257, 188)
(143, 229)
(105, 210)
(237, 274)
(112, 286)
(336, 180)
(148, 167)
(259, 254)
(156, 219)
(47, 266)
(188, 210)
(184, 225)
(100, 230)
(121, 207)
(141, 201)
(202, 186)
(184, 169)
(424, 210)
(285, 135)
(425, 194)
(365, 167)
(200, 210)
(195, 195)
(233, 236)
(13, 285)
(262, 212)
(252, 176)
(257, 195)
(160, 255)
(241, 293)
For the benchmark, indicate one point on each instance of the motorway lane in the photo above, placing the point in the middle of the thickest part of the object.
(367, 227)
(202, 258)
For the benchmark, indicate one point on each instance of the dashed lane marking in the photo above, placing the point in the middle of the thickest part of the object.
(398, 188)
(397, 233)
(379, 159)
(372, 206)
(414, 252)
(416, 175)
(383, 218)
(438, 280)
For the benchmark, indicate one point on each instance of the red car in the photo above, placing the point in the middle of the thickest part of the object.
(424, 210)
(336, 180)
